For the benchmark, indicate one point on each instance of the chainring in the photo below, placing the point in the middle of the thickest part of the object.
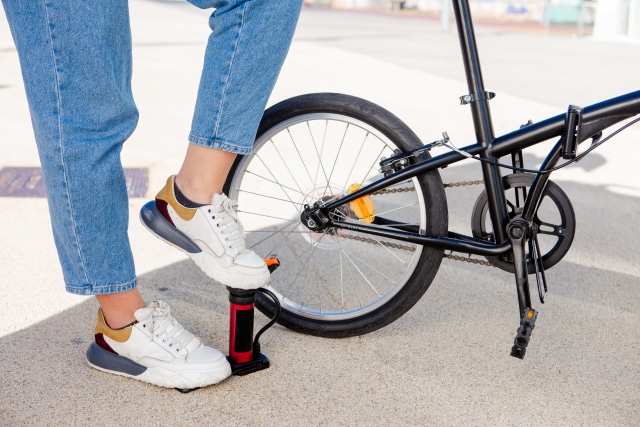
(554, 220)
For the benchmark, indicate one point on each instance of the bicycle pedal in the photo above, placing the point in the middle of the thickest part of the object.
(527, 323)
(272, 263)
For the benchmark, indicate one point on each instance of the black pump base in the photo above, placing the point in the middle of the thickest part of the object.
(255, 365)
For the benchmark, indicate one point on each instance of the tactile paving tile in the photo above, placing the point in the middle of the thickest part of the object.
(27, 182)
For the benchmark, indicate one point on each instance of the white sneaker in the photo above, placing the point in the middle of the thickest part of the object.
(211, 235)
(157, 350)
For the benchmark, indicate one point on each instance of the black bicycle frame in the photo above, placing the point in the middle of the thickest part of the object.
(511, 236)
(595, 118)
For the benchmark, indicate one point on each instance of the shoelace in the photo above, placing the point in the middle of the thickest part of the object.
(226, 217)
(163, 326)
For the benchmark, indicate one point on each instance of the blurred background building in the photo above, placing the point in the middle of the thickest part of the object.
(604, 19)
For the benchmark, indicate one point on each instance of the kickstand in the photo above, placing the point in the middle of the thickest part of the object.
(534, 253)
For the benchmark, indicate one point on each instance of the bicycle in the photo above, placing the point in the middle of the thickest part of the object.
(350, 200)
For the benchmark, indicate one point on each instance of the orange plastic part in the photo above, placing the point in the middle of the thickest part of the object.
(272, 264)
(363, 207)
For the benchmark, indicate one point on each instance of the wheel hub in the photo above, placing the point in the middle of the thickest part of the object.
(311, 229)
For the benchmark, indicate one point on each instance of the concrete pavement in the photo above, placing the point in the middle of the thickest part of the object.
(444, 363)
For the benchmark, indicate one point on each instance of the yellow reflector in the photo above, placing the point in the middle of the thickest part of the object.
(362, 207)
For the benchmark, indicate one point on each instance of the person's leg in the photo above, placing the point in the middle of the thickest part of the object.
(246, 50)
(203, 172)
(247, 47)
(119, 308)
(76, 63)
(75, 58)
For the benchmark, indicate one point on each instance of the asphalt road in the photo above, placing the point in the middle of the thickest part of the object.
(557, 69)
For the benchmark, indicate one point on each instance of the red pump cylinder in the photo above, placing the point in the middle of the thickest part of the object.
(241, 318)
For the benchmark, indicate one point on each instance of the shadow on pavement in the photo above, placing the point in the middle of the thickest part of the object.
(446, 362)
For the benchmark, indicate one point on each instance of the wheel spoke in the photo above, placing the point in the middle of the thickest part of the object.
(313, 158)
(318, 153)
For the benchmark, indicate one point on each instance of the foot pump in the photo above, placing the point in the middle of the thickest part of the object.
(244, 351)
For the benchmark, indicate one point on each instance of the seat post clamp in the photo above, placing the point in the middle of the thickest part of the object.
(466, 99)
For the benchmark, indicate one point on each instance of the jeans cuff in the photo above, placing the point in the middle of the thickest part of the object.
(102, 289)
(220, 145)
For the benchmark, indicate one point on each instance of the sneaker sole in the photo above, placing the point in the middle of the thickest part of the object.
(158, 225)
(105, 361)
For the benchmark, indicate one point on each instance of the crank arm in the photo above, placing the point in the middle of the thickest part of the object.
(518, 232)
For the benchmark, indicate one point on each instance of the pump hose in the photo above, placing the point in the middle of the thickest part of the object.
(256, 343)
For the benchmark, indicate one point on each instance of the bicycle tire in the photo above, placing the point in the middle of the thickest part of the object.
(303, 149)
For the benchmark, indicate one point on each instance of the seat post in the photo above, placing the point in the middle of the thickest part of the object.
(478, 99)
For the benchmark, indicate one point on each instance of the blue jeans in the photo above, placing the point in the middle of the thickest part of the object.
(75, 57)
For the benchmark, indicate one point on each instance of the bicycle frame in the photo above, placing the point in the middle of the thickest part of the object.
(596, 117)
(510, 234)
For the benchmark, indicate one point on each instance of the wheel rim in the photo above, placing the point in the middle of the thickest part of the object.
(334, 275)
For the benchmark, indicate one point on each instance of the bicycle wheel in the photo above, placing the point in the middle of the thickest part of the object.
(337, 283)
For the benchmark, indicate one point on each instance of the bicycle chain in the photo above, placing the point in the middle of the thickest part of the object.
(412, 249)
(462, 258)
(463, 183)
(379, 242)
(406, 189)
(468, 259)
(393, 190)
